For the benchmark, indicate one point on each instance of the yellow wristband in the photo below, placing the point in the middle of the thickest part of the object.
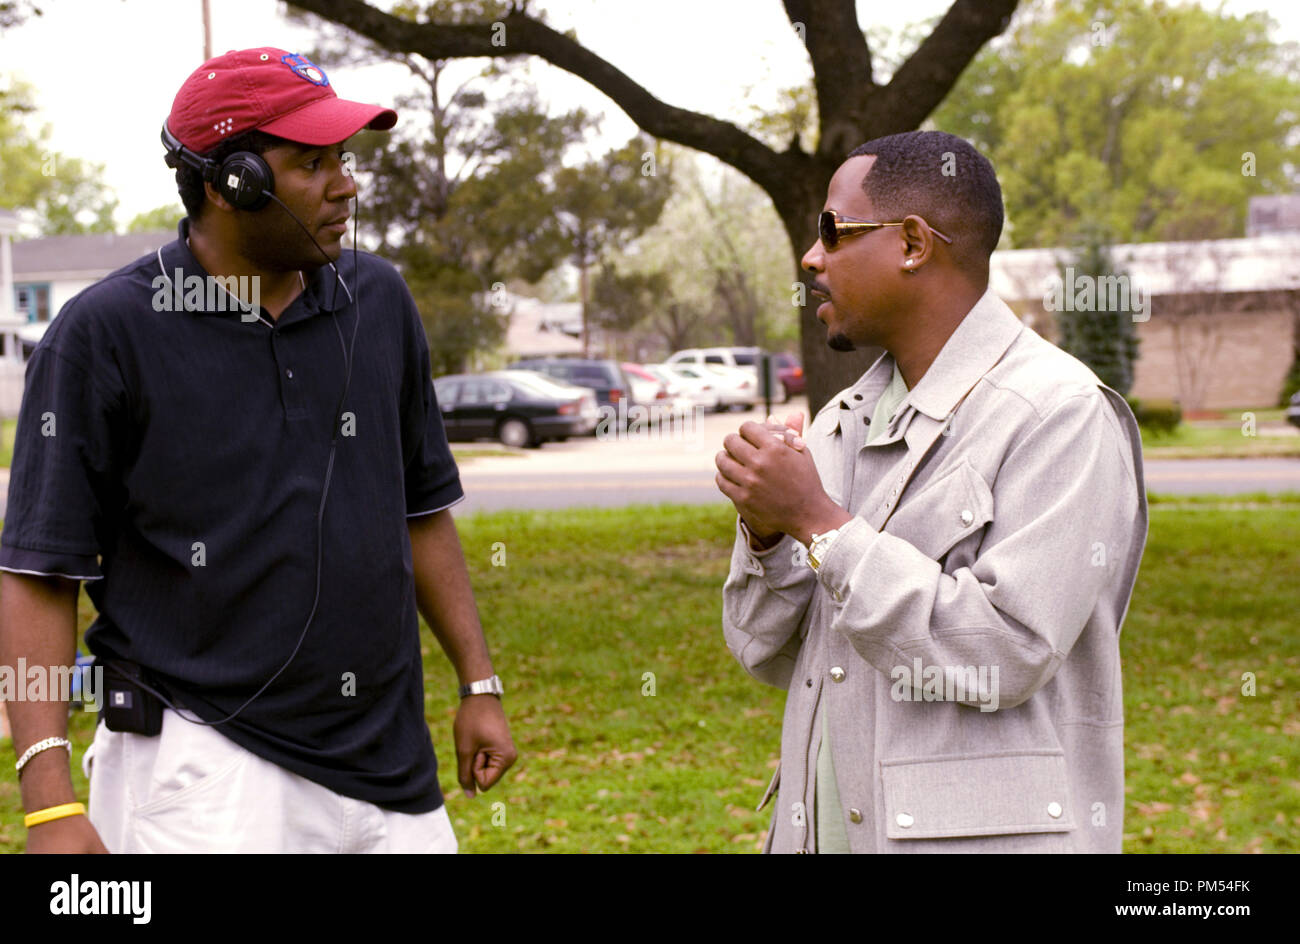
(54, 812)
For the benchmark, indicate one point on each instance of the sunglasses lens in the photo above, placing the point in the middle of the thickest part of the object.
(826, 225)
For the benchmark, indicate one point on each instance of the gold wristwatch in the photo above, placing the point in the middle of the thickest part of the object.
(817, 548)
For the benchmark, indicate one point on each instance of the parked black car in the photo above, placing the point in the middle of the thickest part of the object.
(1293, 411)
(517, 407)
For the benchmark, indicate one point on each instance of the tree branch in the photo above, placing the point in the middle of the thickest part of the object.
(524, 35)
(921, 82)
(841, 63)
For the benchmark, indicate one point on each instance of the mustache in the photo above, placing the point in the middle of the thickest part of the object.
(815, 286)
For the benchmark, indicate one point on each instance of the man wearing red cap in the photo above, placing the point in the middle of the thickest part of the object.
(258, 510)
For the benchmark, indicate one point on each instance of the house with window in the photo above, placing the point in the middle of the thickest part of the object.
(39, 276)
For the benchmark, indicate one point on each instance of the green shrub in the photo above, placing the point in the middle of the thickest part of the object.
(1157, 417)
(1292, 383)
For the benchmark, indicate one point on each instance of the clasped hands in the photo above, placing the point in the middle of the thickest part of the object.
(767, 472)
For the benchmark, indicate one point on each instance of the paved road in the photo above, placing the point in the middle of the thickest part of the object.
(518, 486)
(680, 468)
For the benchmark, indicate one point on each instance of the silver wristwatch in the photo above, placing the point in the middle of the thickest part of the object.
(818, 546)
(487, 686)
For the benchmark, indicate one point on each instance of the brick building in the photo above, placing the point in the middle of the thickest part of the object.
(1219, 323)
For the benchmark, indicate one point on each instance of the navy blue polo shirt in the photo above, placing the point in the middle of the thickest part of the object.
(174, 459)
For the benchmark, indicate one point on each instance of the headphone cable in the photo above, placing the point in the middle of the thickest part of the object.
(320, 512)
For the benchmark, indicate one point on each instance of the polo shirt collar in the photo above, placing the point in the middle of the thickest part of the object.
(320, 294)
(861, 398)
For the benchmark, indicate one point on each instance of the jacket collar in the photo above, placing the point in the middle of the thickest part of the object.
(979, 341)
(322, 294)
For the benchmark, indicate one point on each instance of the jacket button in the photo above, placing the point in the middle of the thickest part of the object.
(855, 816)
(904, 819)
(837, 674)
(1054, 810)
(966, 517)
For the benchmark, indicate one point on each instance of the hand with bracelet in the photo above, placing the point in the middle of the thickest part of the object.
(768, 473)
(61, 827)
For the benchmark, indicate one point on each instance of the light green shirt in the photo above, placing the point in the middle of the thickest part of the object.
(831, 836)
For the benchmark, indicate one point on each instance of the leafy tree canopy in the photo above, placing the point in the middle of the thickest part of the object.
(1150, 120)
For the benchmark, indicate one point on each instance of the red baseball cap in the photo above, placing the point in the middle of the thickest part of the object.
(269, 90)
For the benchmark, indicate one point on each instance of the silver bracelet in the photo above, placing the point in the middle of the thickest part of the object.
(42, 746)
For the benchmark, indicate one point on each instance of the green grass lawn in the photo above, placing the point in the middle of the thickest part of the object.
(1199, 441)
(588, 603)
(8, 428)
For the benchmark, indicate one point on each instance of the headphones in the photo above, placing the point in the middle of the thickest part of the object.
(244, 179)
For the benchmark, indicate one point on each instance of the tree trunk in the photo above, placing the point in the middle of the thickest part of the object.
(582, 294)
(827, 371)
(732, 289)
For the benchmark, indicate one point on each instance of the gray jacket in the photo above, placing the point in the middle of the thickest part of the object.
(963, 631)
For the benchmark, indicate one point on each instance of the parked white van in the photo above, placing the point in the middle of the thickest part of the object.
(745, 357)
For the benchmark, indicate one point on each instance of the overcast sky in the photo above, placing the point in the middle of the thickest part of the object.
(106, 71)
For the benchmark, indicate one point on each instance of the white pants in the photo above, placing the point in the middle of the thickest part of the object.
(192, 789)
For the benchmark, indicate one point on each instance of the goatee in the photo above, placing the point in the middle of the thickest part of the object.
(839, 342)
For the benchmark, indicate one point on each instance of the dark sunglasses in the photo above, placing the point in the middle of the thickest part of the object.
(833, 228)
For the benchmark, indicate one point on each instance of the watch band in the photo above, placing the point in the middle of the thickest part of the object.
(488, 686)
(818, 546)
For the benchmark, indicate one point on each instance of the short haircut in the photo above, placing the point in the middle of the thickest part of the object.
(189, 183)
(945, 181)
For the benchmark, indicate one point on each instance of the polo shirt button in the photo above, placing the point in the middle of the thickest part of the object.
(808, 682)
(966, 517)
(866, 420)
(904, 819)
(288, 372)
(855, 816)
(857, 396)
(837, 674)
(1054, 810)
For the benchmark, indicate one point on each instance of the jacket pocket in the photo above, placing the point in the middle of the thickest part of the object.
(976, 795)
(947, 510)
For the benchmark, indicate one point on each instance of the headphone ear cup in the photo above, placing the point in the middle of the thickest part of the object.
(245, 180)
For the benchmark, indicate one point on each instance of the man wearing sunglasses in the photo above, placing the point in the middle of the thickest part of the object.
(937, 569)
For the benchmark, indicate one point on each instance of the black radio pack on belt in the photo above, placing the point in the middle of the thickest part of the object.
(129, 705)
